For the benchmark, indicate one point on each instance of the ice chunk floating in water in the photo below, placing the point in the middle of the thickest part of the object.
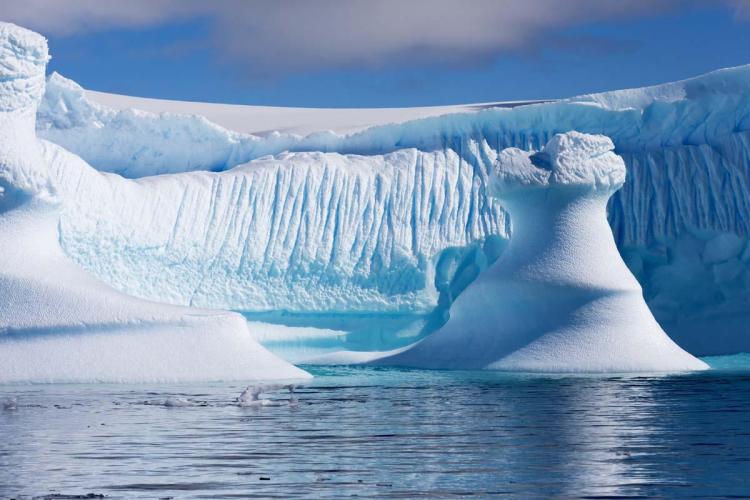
(397, 219)
(560, 298)
(58, 323)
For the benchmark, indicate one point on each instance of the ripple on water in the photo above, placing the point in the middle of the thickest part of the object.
(385, 433)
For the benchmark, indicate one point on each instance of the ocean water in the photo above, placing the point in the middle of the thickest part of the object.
(385, 433)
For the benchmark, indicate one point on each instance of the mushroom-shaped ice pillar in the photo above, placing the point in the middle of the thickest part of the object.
(560, 298)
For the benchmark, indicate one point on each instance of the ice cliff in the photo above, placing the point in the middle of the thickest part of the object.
(57, 322)
(397, 219)
(559, 298)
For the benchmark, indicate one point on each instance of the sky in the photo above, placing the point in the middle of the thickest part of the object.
(383, 53)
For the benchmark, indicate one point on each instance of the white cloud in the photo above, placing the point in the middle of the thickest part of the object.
(303, 34)
(741, 8)
(283, 36)
(54, 17)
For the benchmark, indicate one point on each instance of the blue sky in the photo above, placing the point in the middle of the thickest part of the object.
(339, 53)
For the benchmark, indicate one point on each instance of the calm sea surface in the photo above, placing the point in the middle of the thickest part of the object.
(385, 433)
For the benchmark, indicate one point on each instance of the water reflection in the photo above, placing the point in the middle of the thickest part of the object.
(386, 433)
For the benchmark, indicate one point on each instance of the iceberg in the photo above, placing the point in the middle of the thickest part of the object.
(57, 322)
(560, 298)
(376, 230)
(397, 219)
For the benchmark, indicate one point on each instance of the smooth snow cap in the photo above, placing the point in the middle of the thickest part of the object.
(572, 159)
(560, 298)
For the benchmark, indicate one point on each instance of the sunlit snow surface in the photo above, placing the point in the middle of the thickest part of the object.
(57, 322)
(380, 433)
(560, 298)
(396, 219)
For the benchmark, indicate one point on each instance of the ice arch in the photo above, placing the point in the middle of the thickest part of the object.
(560, 298)
(58, 323)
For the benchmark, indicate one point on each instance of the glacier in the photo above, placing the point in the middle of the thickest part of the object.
(560, 298)
(394, 221)
(59, 323)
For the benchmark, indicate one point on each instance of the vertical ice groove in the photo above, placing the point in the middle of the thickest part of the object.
(300, 233)
(177, 217)
(415, 226)
(274, 220)
(243, 241)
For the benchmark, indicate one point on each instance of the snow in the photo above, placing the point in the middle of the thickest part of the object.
(262, 120)
(560, 298)
(571, 159)
(60, 324)
(139, 137)
(135, 143)
(388, 212)
(395, 218)
(23, 56)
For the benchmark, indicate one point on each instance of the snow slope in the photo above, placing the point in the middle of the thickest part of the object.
(560, 298)
(263, 120)
(396, 218)
(57, 322)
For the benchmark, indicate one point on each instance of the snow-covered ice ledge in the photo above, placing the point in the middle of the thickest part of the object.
(58, 323)
(560, 298)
